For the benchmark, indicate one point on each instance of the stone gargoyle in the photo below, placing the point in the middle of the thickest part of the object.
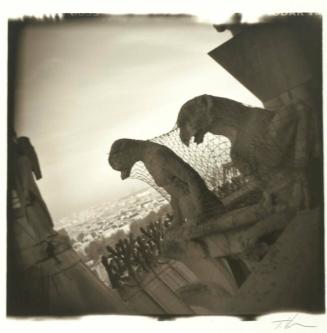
(273, 147)
(191, 200)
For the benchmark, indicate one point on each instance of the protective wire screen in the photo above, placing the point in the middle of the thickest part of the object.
(211, 159)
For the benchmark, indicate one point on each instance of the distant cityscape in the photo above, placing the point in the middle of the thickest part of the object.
(98, 223)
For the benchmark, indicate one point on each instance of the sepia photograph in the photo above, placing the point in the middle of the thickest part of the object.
(163, 165)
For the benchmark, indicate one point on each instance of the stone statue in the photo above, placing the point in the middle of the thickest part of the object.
(192, 204)
(273, 147)
(191, 200)
(27, 169)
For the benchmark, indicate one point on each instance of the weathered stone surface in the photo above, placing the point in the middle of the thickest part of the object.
(46, 275)
(289, 278)
(268, 66)
(244, 238)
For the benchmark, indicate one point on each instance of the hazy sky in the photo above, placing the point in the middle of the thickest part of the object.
(84, 85)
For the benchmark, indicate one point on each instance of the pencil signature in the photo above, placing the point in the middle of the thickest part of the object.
(290, 322)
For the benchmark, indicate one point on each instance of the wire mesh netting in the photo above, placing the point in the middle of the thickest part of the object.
(272, 145)
(211, 159)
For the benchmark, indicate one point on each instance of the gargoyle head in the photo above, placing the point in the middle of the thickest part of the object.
(194, 119)
(122, 156)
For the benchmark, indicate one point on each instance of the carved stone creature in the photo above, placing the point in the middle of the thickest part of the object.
(273, 147)
(191, 200)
